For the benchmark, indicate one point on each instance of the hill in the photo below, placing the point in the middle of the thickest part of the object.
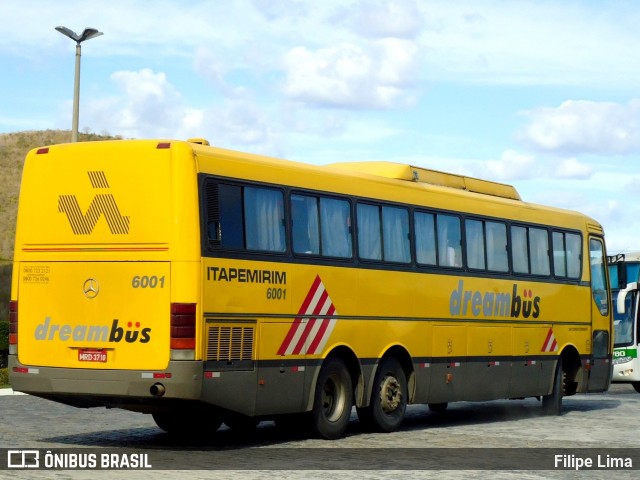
(13, 150)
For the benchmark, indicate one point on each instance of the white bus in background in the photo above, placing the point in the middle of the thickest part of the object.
(624, 275)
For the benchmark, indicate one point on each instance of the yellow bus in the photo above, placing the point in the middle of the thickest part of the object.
(204, 285)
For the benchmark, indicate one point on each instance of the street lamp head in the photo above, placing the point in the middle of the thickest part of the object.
(88, 34)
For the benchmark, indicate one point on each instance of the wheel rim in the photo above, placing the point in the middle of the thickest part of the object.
(333, 398)
(390, 394)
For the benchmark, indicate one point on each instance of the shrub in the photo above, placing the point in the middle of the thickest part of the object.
(4, 343)
(4, 336)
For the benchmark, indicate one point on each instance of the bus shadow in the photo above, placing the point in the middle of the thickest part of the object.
(471, 413)
(268, 434)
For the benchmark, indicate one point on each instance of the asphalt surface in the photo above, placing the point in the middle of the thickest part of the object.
(467, 440)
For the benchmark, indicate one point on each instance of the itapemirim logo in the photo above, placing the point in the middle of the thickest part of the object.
(102, 204)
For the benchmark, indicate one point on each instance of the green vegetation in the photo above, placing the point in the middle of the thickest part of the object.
(4, 351)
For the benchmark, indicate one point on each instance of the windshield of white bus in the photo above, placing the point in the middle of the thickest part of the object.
(623, 323)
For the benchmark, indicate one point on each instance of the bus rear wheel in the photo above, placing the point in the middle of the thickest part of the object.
(333, 400)
(386, 411)
(552, 403)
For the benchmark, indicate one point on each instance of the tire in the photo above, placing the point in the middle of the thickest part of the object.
(333, 400)
(187, 423)
(438, 407)
(552, 403)
(385, 412)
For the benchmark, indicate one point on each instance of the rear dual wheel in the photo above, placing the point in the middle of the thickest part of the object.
(385, 412)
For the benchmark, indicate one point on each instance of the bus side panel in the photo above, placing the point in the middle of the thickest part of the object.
(527, 368)
(490, 366)
(449, 366)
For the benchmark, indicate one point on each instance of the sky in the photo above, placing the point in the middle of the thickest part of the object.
(543, 95)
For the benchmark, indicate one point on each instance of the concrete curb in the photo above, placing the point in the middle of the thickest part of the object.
(7, 391)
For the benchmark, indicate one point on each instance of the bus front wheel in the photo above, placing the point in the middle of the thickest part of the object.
(552, 403)
(333, 400)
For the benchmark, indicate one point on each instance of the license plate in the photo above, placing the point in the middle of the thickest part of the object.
(92, 356)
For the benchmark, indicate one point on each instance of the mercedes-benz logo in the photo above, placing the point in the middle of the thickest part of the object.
(91, 288)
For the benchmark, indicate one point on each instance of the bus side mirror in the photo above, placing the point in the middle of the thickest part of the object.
(622, 294)
(622, 274)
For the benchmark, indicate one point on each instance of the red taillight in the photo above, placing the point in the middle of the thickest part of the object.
(183, 326)
(13, 322)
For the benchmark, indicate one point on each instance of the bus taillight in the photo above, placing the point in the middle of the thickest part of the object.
(13, 327)
(183, 331)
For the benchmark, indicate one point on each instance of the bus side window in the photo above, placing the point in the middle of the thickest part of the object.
(519, 250)
(425, 238)
(497, 259)
(539, 250)
(449, 241)
(224, 215)
(305, 224)
(559, 254)
(574, 254)
(369, 239)
(395, 234)
(474, 233)
(598, 276)
(335, 221)
(566, 254)
(264, 219)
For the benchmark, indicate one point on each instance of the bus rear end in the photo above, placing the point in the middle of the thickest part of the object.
(104, 296)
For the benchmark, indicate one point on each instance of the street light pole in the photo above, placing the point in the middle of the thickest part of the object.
(88, 34)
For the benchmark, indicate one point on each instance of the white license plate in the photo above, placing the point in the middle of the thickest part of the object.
(92, 355)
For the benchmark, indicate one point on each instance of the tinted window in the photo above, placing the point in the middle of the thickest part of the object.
(449, 241)
(264, 219)
(395, 229)
(335, 221)
(305, 224)
(369, 238)
(497, 259)
(475, 244)
(425, 238)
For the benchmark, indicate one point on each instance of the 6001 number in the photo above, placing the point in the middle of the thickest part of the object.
(147, 282)
(276, 293)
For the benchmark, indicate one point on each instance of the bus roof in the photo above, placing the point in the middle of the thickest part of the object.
(412, 173)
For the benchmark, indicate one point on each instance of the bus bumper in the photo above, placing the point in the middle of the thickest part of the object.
(626, 372)
(129, 389)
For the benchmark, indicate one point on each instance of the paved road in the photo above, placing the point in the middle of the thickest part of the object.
(591, 422)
